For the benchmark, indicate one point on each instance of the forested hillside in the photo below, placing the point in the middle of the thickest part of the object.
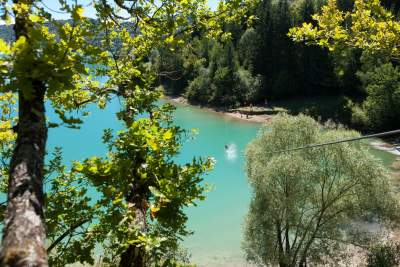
(260, 64)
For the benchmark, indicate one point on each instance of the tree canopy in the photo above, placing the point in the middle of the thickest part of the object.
(369, 26)
(62, 65)
(307, 206)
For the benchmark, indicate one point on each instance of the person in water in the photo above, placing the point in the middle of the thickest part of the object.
(226, 147)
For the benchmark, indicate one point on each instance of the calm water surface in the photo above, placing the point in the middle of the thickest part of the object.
(217, 221)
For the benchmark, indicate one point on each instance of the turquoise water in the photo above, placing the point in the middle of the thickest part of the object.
(217, 221)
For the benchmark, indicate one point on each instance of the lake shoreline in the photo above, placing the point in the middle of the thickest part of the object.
(379, 144)
(386, 146)
(252, 118)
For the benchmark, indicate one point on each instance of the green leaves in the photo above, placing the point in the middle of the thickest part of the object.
(138, 175)
(306, 198)
(369, 26)
(379, 110)
(4, 47)
(139, 168)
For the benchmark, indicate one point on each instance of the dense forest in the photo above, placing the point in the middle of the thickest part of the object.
(260, 64)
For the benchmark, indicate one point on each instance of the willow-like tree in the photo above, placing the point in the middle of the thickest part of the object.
(308, 205)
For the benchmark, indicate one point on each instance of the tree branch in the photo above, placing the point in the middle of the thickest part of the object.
(66, 233)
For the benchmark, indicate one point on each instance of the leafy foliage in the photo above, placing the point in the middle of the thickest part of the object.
(7, 135)
(309, 210)
(141, 156)
(139, 172)
(58, 61)
(384, 255)
(221, 81)
(380, 108)
(68, 208)
(69, 214)
(58, 57)
(368, 26)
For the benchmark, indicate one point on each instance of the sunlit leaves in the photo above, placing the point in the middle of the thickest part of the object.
(4, 47)
(55, 57)
(21, 7)
(64, 57)
(7, 134)
(140, 160)
(69, 211)
(7, 119)
(77, 13)
(35, 18)
(368, 26)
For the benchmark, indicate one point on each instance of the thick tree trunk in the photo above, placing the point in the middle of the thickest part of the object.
(24, 231)
(135, 256)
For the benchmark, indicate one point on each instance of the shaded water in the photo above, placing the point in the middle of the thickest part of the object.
(218, 220)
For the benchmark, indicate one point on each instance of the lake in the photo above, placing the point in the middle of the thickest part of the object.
(217, 221)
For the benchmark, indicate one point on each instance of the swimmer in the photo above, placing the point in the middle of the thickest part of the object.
(231, 152)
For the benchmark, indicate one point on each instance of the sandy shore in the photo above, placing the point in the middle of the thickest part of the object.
(264, 118)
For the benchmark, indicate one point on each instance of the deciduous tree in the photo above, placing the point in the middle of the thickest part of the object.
(308, 205)
(368, 26)
(38, 64)
(53, 64)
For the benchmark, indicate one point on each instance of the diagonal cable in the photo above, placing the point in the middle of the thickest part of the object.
(340, 141)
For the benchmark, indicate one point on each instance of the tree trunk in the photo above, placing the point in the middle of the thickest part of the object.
(282, 257)
(24, 231)
(135, 256)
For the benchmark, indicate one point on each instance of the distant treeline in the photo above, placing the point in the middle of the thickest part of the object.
(260, 63)
(7, 32)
